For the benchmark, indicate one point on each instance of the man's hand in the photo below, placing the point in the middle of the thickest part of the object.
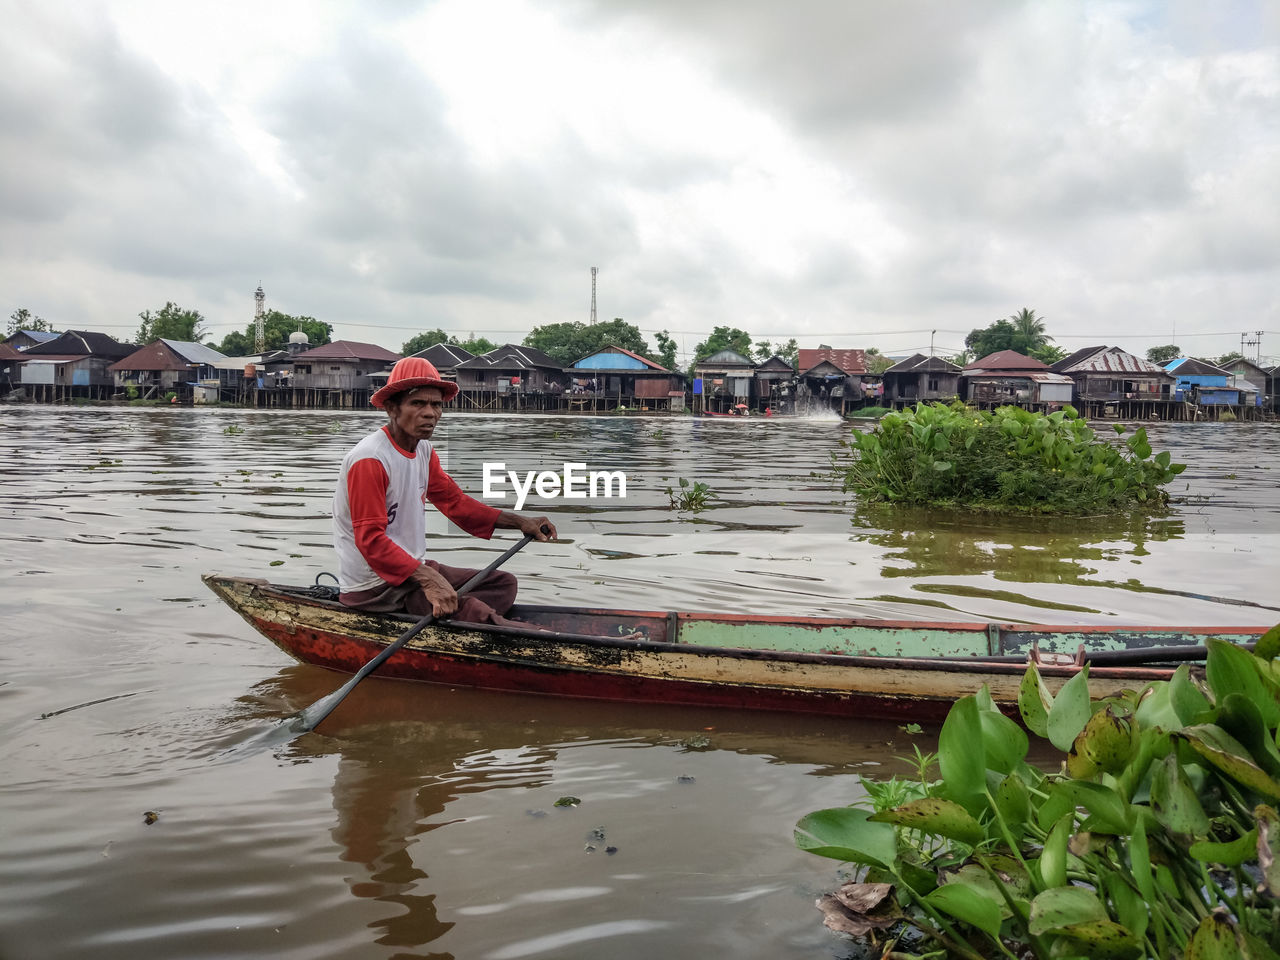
(444, 599)
(531, 526)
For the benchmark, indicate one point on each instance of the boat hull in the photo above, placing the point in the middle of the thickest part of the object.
(596, 654)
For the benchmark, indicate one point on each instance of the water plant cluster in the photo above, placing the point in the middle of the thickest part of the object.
(1009, 458)
(1158, 838)
(692, 497)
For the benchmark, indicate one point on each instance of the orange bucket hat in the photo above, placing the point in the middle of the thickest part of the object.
(409, 373)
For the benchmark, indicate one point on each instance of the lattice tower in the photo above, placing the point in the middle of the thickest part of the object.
(594, 271)
(259, 310)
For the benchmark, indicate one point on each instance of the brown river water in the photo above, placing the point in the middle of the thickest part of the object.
(422, 821)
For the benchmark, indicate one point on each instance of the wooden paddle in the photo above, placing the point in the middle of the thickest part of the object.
(308, 719)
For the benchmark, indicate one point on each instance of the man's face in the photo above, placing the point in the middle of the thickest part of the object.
(417, 412)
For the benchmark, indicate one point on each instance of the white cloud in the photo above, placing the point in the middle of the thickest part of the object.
(836, 172)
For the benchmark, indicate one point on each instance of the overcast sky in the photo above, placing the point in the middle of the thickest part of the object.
(852, 173)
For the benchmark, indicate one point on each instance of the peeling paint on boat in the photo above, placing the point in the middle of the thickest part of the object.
(851, 668)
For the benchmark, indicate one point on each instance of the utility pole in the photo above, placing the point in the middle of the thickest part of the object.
(594, 272)
(931, 333)
(259, 333)
(1255, 342)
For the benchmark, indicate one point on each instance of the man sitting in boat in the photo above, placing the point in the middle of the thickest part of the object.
(379, 516)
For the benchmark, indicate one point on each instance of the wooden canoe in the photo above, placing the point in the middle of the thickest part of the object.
(844, 667)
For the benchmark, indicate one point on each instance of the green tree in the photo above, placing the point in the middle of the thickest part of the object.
(24, 319)
(1164, 354)
(276, 327)
(423, 340)
(1049, 354)
(992, 339)
(477, 345)
(723, 338)
(1029, 332)
(666, 349)
(877, 362)
(1228, 358)
(789, 351)
(1023, 332)
(171, 322)
(570, 341)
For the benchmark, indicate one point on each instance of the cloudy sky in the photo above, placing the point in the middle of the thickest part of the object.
(852, 173)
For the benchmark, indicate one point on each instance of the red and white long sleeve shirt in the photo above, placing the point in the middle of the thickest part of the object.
(379, 511)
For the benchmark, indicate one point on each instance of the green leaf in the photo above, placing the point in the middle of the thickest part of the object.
(1053, 856)
(941, 466)
(1003, 740)
(1229, 756)
(1061, 907)
(1155, 709)
(934, 815)
(1241, 718)
(1129, 908)
(1175, 803)
(961, 759)
(1140, 861)
(1103, 940)
(1013, 801)
(1229, 669)
(1107, 809)
(1268, 647)
(1232, 853)
(1070, 711)
(844, 833)
(968, 905)
(1185, 696)
(1214, 939)
(1107, 740)
(1034, 702)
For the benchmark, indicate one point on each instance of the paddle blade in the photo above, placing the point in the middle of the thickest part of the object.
(307, 720)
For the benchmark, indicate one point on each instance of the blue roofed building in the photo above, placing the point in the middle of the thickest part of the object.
(1199, 381)
(621, 378)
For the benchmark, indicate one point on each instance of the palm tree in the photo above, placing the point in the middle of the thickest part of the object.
(1029, 331)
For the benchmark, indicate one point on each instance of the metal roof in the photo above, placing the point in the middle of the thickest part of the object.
(1191, 367)
(511, 355)
(349, 350)
(1006, 360)
(1108, 360)
(82, 343)
(726, 356)
(444, 356)
(919, 363)
(1044, 376)
(850, 361)
(194, 352)
(610, 348)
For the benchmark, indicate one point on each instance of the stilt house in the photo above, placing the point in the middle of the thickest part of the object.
(168, 365)
(510, 377)
(1009, 377)
(920, 379)
(615, 377)
(73, 364)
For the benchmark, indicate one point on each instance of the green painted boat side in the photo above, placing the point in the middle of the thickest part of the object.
(849, 638)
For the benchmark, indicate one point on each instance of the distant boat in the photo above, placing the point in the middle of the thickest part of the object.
(842, 667)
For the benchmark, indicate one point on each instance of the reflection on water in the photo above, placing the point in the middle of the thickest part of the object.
(445, 806)
(423, 823)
